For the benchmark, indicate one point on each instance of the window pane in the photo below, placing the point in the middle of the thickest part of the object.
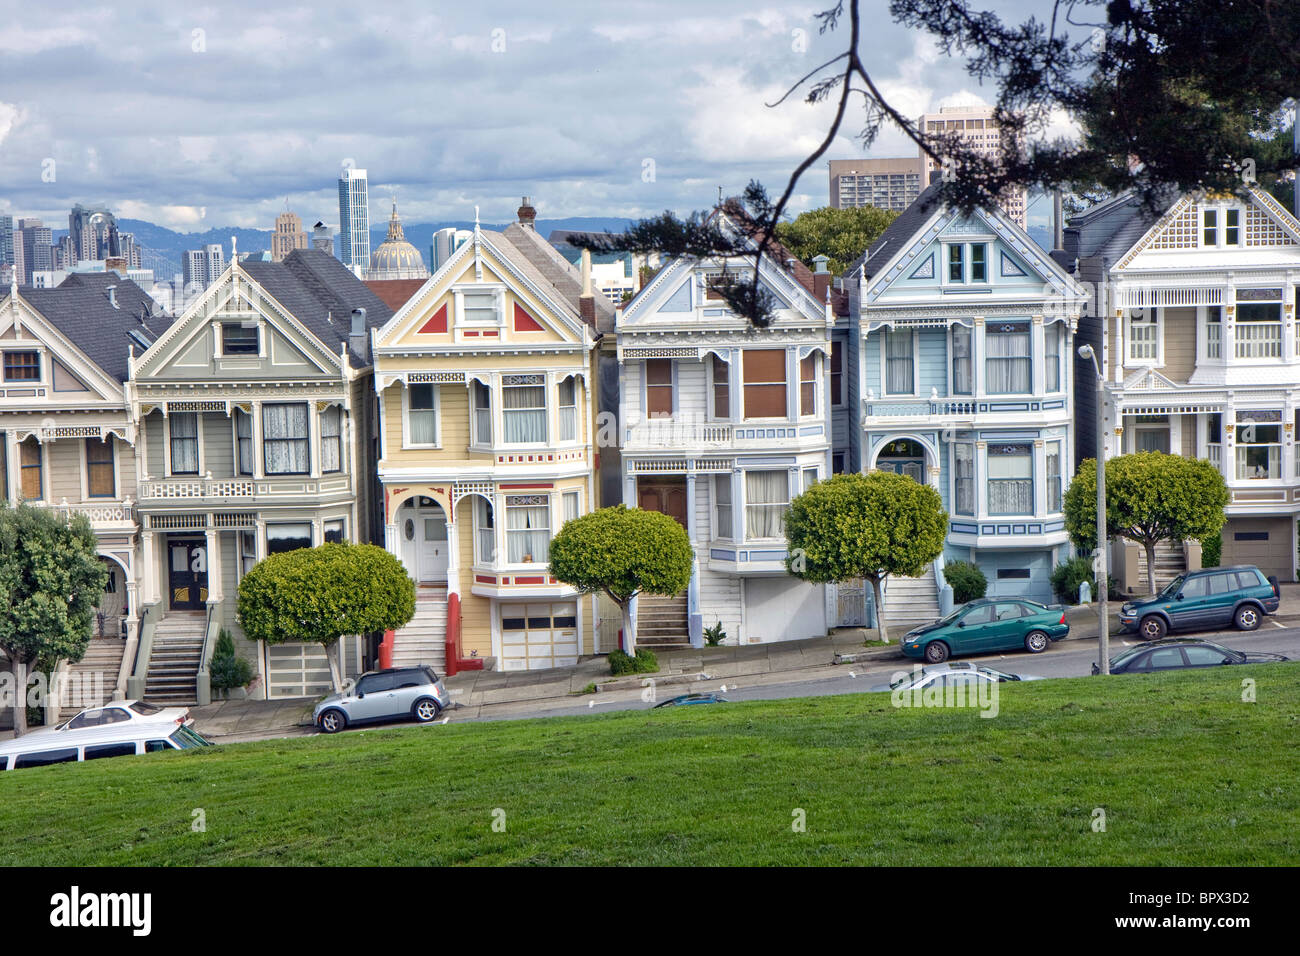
(837, 373)
(722, 505)
(1007, 367)
(331, 439)
(100, 482)
(767, 497)
(898, 363)
(184, 430)
(287, 537)
(808, 385)
(659, 387)
(721, 388)
(961, 360)
(764, 383)
(284, 438)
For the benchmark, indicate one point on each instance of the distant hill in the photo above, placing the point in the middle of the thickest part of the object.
(169, 245)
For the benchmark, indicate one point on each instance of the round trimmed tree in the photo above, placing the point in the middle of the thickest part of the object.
(317, 595)
(623, 552)
(865, 526)
(1150, 497)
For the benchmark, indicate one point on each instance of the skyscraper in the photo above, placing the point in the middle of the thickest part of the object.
(884, 183)
(38, 256)
(202, 267)
(288, 236)
(6, 240)
(93, 233)
(354, 221)
(977, 127)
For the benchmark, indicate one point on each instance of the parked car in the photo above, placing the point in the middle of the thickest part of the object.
(960, 672)
(684, 700)
(415, 692)
(1210, 597)
(986, 625)
(1179, 653)
(104, 735)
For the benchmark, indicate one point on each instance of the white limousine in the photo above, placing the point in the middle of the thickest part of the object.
(119, 728)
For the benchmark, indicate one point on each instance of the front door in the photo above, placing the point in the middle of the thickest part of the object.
(667, 496)
(187, 573)
(904, 457)
(432, 550)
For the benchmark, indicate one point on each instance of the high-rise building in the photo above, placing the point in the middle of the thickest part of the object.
(6, 240)
(38, 255)
(444, 243)
(322, 238)
(978, 129)
(884, 183)
(354, 221)
(202, 267)
(288, 236)
(93, 233)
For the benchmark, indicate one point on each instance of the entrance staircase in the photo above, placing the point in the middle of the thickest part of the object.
(174, 663)
(424, 639)
(1171, 561)
(92, 680)
(661, 622)
(911, 600)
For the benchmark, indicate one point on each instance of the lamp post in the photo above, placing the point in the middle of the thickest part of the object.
(1103, 647)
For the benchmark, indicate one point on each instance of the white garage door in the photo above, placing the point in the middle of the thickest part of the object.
(303, 670)
(534, 636)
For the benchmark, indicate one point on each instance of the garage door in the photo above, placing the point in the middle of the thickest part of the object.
(1025, 574)
(1263, 542)
(303, 670)
(534, 636)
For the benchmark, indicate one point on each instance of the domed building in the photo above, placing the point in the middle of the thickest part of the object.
(396, 258)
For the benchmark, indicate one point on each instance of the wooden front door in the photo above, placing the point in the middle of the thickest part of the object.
(187, 573)
(665, 495)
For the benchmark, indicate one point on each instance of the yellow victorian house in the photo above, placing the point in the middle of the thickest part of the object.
(487, 429)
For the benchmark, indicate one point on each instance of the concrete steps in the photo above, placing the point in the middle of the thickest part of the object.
(174, 663)
(909, 600)
(1170, 562)
(661, 622)
(424, 639)
(92, 680)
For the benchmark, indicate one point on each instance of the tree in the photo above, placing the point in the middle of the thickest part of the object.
(1150, 497)
(865, 526)
(317, 595)
(51, 579)
(1185, 94)
(623, 552)
(839, 234)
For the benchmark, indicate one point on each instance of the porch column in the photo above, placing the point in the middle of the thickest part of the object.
(977, 356)
(981, 479)
(1038, 353)
(452, 636)
(150, 570)
(694, 616)
(737, 507)
(1040, 477)
(213, 538)
(259, 463)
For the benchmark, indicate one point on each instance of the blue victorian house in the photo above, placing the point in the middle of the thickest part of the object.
(962, 332)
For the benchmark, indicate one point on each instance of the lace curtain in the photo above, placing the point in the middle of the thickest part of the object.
(1007, 366)
(767, 496)
(284, 438)
(185, 443)
(528, 533)
(524, 413)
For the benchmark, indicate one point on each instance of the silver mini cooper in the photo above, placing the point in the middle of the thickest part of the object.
(415, 692)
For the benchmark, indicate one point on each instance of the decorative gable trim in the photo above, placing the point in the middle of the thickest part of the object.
(523, 322)
(437, 323)
(1266, 223)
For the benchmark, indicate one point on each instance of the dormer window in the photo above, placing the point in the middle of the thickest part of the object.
(238, 339)
(22, 366)
(479, 308)
(1220, 226)
(968, 262)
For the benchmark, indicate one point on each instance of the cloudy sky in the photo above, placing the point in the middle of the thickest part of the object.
(216, 115)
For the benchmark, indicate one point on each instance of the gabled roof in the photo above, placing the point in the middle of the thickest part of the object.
(557, 272)
(395, 292)
(80, 309)
(898, 233)
(1110, 228)
(787, 260)
(321, 293)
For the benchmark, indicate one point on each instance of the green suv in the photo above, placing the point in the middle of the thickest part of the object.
(1211, 597)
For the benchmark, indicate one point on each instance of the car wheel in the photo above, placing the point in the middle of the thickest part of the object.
(1153, 627)
(426, 709)
(936, 652)
(1247, 617)
(332, 721)
(1036, 642)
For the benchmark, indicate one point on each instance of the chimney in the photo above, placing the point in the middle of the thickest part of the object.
(358, 323)
(111, 291)
(821, 277)
(587, 301)
(1058, 220)
(527, 214)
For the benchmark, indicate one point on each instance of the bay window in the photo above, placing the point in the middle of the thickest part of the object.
(569, 409)
(31, 468)
(331, 439)
(1011, 479)
(481, 403)
(659, 388)
(528, 529)
(808, 385)
(961, 360)
(421, 415)
(767, 498)
(183, 431)
(764, 383)
(1007, 364)
(1259, 323)
(1259, 444)
(284, 439)
(899, 377)
(1054, 334)
(722, 506)
(964, 478)
(523, 409)
(720, 390)
(1055, 490)
(100, 479)
(243, 442)
(485, 542)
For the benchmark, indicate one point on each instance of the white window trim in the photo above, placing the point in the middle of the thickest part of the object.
(406, 416)
(966, 243)
(503, 537)
(720, 533)
(565, 494)
(578, 404)
(498, 290)
(343, 445)
(884, 368)
(744, 495)
(645, 388)
(549, 392)
(1220, 209)
(167, 445)
(85, 470)
(1159, 360)
(1203, 335)
(817, 411)
(709, 384)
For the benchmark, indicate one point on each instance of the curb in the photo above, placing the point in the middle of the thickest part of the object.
(637, 682)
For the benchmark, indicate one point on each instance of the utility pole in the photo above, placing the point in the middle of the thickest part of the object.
(1102, 562)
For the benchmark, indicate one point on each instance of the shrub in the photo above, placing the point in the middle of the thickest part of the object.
(645, 662)
(228, 669)
(967, 580)
(1212, 550)
(715, 635)
(1067, 577)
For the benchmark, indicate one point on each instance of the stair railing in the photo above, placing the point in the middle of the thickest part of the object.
(203, 677)
(135, 684)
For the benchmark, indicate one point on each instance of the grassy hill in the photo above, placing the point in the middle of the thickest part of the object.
(1185, 771)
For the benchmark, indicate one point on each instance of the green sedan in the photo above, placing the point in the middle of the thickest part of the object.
(987, 625)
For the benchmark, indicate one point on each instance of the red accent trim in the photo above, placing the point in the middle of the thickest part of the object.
(453, 634)
(490, 333)
(485, 579)
(530, 580)
(535, 484)
(386, 651)
(471, 334)
(437, 322)
(525, 322)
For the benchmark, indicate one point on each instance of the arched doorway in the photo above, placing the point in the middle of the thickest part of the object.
(112, 606)
(422, 532)
(904, 456)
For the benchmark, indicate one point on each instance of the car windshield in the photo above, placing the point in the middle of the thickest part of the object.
(952, 615)
(904, 678)
(1125, 656)
(186, 739)
(1174, 586)
(993, 672)
(140, 707)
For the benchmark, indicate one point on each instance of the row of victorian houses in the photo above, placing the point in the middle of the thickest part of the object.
(459, 421)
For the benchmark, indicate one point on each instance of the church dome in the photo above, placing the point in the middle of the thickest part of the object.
(396, 258)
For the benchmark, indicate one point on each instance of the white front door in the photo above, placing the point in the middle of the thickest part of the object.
(431, 537)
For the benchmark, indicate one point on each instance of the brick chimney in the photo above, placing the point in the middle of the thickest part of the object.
(821, 277)
(587, 301)
(526, 214)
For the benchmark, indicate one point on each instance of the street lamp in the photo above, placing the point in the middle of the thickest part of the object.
(1086, 351)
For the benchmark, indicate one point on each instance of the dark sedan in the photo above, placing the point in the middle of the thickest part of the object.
(1174, 654)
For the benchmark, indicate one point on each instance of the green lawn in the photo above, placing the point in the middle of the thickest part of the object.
(1186, 773)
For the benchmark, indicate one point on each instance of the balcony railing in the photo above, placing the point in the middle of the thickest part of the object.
(919, 408)
(108, 512)
(1259, 340)
(280, 487)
